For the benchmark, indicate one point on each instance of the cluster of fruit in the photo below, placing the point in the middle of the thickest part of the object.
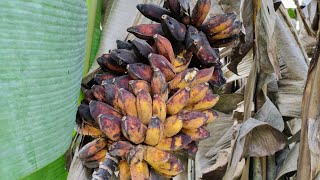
(153, 100)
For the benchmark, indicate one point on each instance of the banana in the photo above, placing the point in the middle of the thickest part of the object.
(106, 63)
(110, 125)
(159, 107)
(139, 171)
(200, 11)
(136, 85)
(106, 168)
(120, 149)
(123, 45)
(229, 32)
(192, 119)
(146, 31)
(138, 167)
(164, 47)
(198, 92)
(92, 148)
(144, 106)
(206, 103)
(142, 49)
(197, 134)
(182, 60)
(192, 36)
(173, 6)
(124, 170)
(162, 161)
(204, 52)
(185, 11)
(203, 76)
(160, 62)
(154, 132)
(98, 78)
(224, 42)
(84, 112)
(122, 81)
(159, 85)
(218, 23)
(140, 71)
(217, 78)
(88, 130)
(124, 57)
(212, 115)
(127, 103)
(183, 79)
(173, 29)
(152, 11)
(178, 101)
(98, 156)
(88, 95)
(98, 92)
(174, 143)
(111, 95)
(133, 129)
(172, 126)
(97, 108)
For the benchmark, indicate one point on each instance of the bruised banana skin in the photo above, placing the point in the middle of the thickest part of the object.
(124, 57)
(172, 126)
(141, 48)
(174, 143)
(159, 85)
(182, 60)
(84, 112)
(197, 134)
(92, 147)
(152, 11)
(162, 161)
(203, 76)
(229, 32)
(124, 170)
(178, 101)
(218, 23)
(98, 92)
(200, 11)
(110, 125)
(212, 115)
(88, 130)
(159, 108)
(98, 78)
(106, 62)
(146, 31)
(106, 168)
(183, 79)
(160, 62)
(98, 156)
(192, 119)
(133, 129)
(173, 29)
(122, 81)
(120, 149)
(144, 106)
(207, 102)
(111, 95)
(191, 150)
(139, 71)
(127, 103)
(139, 171)
(97, 108)
(198, 92)
(164, 47)
(154, 132)
(136, 85)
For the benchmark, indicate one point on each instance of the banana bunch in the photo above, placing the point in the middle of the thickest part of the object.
(153, 99)
(140, 119)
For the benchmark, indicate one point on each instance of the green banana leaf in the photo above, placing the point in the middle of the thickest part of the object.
(42, 48)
